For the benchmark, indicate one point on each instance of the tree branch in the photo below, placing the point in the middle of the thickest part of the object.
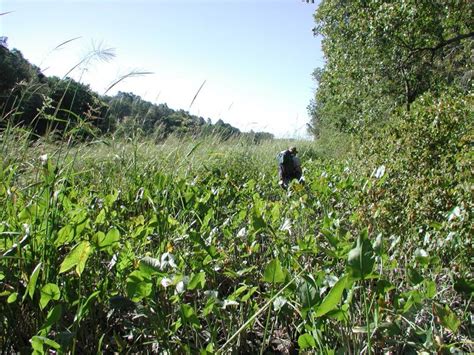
(445, 43)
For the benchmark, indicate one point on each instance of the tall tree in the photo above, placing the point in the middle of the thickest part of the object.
(381, 55)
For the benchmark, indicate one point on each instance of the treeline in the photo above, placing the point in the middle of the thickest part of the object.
(65, 107)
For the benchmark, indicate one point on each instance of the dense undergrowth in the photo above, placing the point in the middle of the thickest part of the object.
(191, 246)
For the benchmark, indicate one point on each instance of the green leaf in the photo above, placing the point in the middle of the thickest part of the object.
(447, 318)
(30, 288)
(112, 237)
(38, 342)
(49, 292)
(12, 298)
(414, 276)
(306, 341)
(308, 292)
(361, 258)
(100, 217)
(84, 308)
(238, 292)
(333, 297)
(246, 297)
(54, 315)
(273, 272)
(77, 257)
(150, 265)
(197, 280)
(465, 286)
(138, 286)
(65, 235)
(189, 315)
(430, 289)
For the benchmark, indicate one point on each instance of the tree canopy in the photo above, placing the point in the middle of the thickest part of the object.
(382, 55)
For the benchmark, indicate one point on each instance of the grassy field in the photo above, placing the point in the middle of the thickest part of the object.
(192, 247)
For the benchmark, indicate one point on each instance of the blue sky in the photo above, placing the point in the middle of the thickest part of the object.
(256, 56)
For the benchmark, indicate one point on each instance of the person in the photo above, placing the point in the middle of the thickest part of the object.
(289, 167)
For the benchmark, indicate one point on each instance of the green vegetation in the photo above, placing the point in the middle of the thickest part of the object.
(383, 55)
(119, 233)
(192, 246)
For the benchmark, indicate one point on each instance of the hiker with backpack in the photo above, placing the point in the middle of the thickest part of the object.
(289, 167)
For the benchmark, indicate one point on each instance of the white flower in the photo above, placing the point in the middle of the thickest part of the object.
(43, 159)
(454, 214)
(379, 172)
(165, 282)
(112, 262)
(279, 302)
(180, 287)
(229, 303)
(421, 253)
(242, 233)
(26, 227)
(286, 226)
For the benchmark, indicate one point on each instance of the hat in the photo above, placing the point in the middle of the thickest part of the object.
(293, 150)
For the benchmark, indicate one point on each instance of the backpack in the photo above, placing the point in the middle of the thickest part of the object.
(285, 161)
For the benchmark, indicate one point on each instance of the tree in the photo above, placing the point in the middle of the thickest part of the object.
(72, 104)
(382, 55)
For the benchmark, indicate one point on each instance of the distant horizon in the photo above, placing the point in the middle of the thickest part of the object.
(253, 76)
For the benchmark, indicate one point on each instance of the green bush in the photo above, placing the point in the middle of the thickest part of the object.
(426, 154)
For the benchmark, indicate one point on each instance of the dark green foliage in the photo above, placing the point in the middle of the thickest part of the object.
(133, 246)
(13, 70)
(427, 157)
(383, 55)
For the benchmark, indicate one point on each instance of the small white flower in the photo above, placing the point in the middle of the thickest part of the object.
(454, 214)
(427, 239)
(421, 253)
(112, 262)
(43, 159)
(180, 287)
(286, 226)
(26, 227)
(379, 172)
(242, 233)
(279, 302)
(229, 303)
(166, 282)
